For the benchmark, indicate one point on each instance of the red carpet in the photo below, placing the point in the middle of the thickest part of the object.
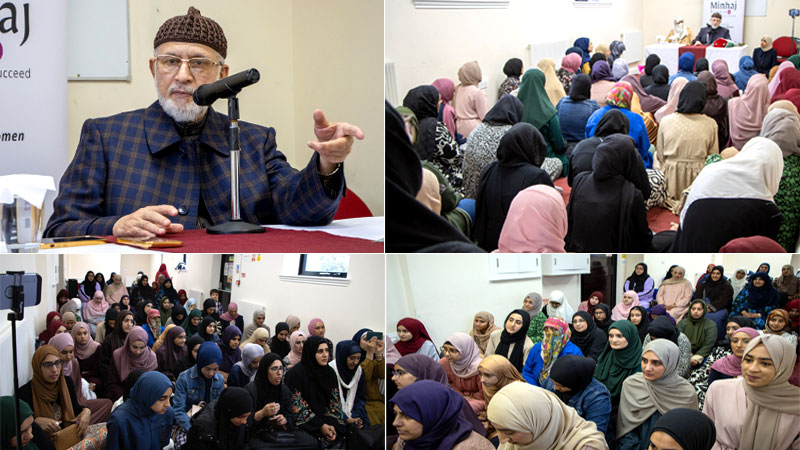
(273, 241)
(658, 218)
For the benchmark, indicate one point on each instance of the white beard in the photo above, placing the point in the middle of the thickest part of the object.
(191, 112)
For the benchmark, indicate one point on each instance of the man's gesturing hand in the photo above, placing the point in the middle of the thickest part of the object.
(147, 222)
(334, 141)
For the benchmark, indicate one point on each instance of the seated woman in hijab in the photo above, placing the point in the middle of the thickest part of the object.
(468, 101)
(780, 324)
(746, 114)
(664, 328)
(153, 328)
(555, 344)
(680, 33)
(638, 316)
(788, 283)
(224, 423)
(685, 139)
(481, 149)
(134, 354)
(540, 112)
(675, 292)
(570, 68)
(683, 428)
(672, 101)
(595, 298)
(641, 283)
(374, 366)
(701, 331)
(602, 81)
(586, 48)
(585, 334)
(574, 111)
(650, 63)
(747, 69)
(660, 85)
(208, 329)
(783, 128)
(296, 341)
(553, 87)
(460, 363)
(445, 113)
(314, 386)
(190, 358)
(146, 418)
(616, 49)
(32, 435)
(280, 342)
(602, 317)
(765, 57)
(685, 68)
(198, 386)
(262, 339)
(726, 86)
(572, 380)
(647, 395)
(759, 409)
(100, 407)
(612, 122)
(542, 205)
(519, 160)
(531, 417)
(700, 66)
(716, 108)
(512, 341)
(606, 209)
(647, 102)
(786, 78)
(231, 352)
(738, 192)
(231, 317)
(532, 304)
(730, 366)
(434, 142)
(427, 415)
(619, 98)
(513, 71)
(482, 327)
(351, 382)
(718, 293)
(619, 69)
(557, 306)
(244, 371)
(756, 300)
(414, 338)
(55, 402)
(620, 359)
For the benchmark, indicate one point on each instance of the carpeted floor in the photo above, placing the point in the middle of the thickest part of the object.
(658, 218)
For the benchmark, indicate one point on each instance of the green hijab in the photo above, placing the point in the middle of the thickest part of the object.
(614, 366)
(537, 109)
(190, 329)
(695, 329)
(795, 59)
(7, 430)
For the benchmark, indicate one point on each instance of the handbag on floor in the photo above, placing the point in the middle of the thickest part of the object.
(65, 438)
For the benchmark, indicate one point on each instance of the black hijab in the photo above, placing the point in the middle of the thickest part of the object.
(513, 68)
(266, 391)
(644, 324)
(188, 360)
(410, 225)
(713, 290)
(572, 371)
(316, 383)
(650, 63)
(663, 328)
(581, 88)
(111, 314)
(422, 100)
(764, 296)
(207, 320)
(117, 337)
(520, 154)
(692, 99)
(178, 310)
(691, 429)
(577, 50)
(89, 286)
(613, 121)
(660, 74)
(141, 315)
(282, 348)
(606, 323)
(232, 402)
(588, 338)
(742, 321)
(507, 111)
(637, 281)
(506, 339)
(208, 303)
(701, 65)
(145, 291)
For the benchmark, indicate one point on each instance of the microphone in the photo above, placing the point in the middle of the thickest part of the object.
(208, 93)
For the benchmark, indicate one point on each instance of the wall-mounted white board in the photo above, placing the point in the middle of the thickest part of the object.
(98, 45)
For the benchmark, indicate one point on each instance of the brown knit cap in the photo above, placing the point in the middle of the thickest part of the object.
(193, 28)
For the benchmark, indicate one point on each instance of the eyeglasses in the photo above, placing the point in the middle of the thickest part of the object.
(277, 369)
(50, 365)
(169, 64)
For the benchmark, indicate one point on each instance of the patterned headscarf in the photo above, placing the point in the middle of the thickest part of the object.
(556, 335)
(620, 95)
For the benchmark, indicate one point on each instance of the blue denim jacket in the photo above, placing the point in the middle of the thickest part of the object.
(190, 390)
(593, 404)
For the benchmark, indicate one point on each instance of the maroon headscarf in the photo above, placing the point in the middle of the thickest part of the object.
(45, 335)
(752, 244)
(446, 87)
(790, 79)
(726, 87)
(418, 336)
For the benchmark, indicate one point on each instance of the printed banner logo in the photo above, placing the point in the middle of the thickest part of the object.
(10, 20)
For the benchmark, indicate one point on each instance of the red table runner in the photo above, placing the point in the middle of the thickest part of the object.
(273, 241)
(699, 51)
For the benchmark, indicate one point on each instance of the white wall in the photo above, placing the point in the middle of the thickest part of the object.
(428, 44)
(445, 291)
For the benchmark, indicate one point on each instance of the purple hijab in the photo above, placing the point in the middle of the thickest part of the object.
(170, 353)
(602, 71)
(661, 310)
(422, 367)
(731, 365)
(438, 409)
(230, 356)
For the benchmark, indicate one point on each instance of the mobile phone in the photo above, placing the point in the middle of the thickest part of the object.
(372, 334)
(71, 241)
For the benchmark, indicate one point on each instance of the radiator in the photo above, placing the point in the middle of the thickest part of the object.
(390, 83)
(633, 46)
(197, 295)
(552, 50)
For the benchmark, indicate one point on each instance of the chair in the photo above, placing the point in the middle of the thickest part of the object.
(351, 207)
(785, 46)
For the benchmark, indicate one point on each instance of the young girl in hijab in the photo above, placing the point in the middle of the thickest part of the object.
(482, 327)
(116, 339)
(595, 298)
(756, 300)
(746, 113)
(540, 112)
(495, 373)
(134, 354)
(89, 356)
(100, 407)
(208, 329)
(701, 331)
(759, 409)
(231, 317)
(259, 317)
(280, 342)
(107, 326)
(351, 382)
(590, 339)
(532, 304)
(512, 342)
(513, 71)
(623, 309)
(663, 328)
(428, 416)
(190, 358)
(574, 111)
(229, 345)
(314, 387)
(44, 336)
(469, 101)
(165, 308)
(375, 367)
(169, 355)
(572, 380)
(555, 344)
(780, 324)
(146, 418)
(460, 363)
(414, 338)
(33, 438)
(244, 371)
(296, 342)
(602, 317)
(730, 366)
(647, 395)
(193, 322)
(261, 337)
(539, 204)
(210, 308)
(641, 283)
(675, 294)
(528, 417)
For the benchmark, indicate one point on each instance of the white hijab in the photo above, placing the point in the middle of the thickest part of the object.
(350, 400)
(564, 311)
(754, 173)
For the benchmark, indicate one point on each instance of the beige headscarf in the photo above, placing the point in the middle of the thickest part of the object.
(554, 425)
(602, 48)
(469, 74)
(783, 128)
(729, 152)
(160, 341)
(769, 43)
(766, 404)
(783, 104)
(428, 193)
(672, 100)
(642, 398)
(672, 280)
(553, 87)
(483, 338)
(501, 368)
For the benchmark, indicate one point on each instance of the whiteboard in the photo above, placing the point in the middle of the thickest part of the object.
(98, 45)
(755, 8)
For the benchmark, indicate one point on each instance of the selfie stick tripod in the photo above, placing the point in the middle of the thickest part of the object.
(17, 312)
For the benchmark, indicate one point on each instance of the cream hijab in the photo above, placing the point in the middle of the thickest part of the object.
(503, 370)
(553, 87)
(554, 425)
(467, 366)
(672, 100)
(642, 398)
(766, 404)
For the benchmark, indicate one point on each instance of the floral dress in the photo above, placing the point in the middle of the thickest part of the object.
(447, 157)
(565, 77)
(536, 327)
(699, 377)
(741, 303)
(509, 85)
(788, 204)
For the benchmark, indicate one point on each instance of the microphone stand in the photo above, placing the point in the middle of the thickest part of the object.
(236, 225)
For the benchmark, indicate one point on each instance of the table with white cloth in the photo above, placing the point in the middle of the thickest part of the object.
(669, 54)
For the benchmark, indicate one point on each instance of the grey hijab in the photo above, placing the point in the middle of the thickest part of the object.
(783, 128)
(536, 299)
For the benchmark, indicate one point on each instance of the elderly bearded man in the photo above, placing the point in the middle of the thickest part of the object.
(166, 168)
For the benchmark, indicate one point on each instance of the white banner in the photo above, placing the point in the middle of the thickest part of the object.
(33, 88)
(732, 16)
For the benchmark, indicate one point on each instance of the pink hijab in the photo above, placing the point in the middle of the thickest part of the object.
(312, 324)
(95, 309)
(571, 63)
(294, 357)
(126, 362)
(536, 222)
(773, 85)
(731, 365)
(86, 350)
(621, 310)
(446, 88)
(227, 315)
(746, 113)
(726, 87)
(60, 342)
(672, 100)
(467, 366)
